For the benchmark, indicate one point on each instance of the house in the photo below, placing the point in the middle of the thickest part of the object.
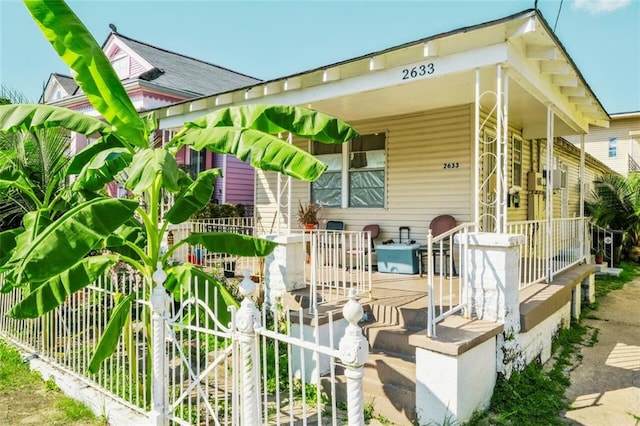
(493, 98)
(617, 146)
(155, 77)
(470, 123)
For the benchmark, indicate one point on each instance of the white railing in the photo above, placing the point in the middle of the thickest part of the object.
(550, 247)
(444, 260)
(606, 242)
(231, 368)
(198, 255)
(67, 336)
(337, 261)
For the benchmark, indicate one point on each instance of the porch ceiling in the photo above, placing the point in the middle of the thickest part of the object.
(525, 111)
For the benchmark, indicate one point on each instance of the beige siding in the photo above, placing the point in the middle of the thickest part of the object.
(597, 143)
(419, 187)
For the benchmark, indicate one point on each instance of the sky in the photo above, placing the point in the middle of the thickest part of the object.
(270, 39)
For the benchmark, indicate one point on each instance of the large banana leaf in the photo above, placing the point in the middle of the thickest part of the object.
(55, 291)
(8, 243)
(109, 340)
(102, 169)
(188, 280)
(149, 163)
(12, 178)
(71, 237)
(265, 151)
(193, 198)
(131, 231)
(275, 119)
(90, 151)
(234, 244)
(93, 71)
(33, 117)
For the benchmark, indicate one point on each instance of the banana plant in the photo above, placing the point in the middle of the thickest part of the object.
(52, 257)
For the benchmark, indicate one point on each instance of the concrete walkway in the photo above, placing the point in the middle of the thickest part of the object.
(605, 387)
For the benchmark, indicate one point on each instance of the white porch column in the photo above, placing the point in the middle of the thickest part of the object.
(284, 267)
(549, 193)
(493, 290)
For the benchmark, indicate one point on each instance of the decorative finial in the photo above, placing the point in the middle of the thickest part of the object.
(113, 28)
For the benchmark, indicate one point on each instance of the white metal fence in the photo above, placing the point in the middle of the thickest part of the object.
(444, 260)
(241, 367)
(338, 261)
(232, 266)
(550, 247)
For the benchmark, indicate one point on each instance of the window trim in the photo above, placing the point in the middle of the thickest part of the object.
(345, 172)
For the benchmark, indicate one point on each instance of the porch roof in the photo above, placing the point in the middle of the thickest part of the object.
(435, 72)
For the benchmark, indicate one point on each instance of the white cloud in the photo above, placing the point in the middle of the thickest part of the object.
(595, 7)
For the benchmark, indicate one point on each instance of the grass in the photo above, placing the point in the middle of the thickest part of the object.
(28, 398)
(535, 396)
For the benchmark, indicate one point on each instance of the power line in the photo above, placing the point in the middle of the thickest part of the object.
(557, 17)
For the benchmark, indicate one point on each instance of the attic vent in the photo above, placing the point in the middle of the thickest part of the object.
(152, 74)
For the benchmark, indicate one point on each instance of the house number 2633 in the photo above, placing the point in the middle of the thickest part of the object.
(450, 165)
(419, 71)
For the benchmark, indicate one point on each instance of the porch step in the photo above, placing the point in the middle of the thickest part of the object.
(389, 339)
(410, 317)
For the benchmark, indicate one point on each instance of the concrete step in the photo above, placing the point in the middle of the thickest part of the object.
(414, 318)
(392, 339)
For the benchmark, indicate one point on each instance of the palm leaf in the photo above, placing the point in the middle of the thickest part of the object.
(193, 198)
(93, 71)
(71, 237)
(234, 244)
(55, 291)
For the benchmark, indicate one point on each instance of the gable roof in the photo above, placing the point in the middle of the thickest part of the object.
(67, 82)
(179, 72)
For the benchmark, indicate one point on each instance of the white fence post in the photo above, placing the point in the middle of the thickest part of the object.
(160, 300)
(247, 320)
(354, 350)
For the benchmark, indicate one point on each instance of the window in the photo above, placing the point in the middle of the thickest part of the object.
(197, 162)
(516, 161)
(121, 67)
(359, 167)
(613, 142)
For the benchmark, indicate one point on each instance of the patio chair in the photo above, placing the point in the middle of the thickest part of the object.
(335, 225)
(439, 225)
(354, 253)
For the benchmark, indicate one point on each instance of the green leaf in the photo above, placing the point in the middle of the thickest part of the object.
(188, 280)
(93, 71)
(236, 244)
(8, 243)
(194, 198)
(102, 169)
(90, 151)
(265, 151)
(273, 119)
(33, 117)
(109, 340)
(55, 291)
(131, 231)
(149, 163)
(71, 237)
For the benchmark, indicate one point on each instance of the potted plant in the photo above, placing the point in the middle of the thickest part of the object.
(308, 215)
(599, 253)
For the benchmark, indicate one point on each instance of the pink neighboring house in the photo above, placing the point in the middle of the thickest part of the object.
(154, 77)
